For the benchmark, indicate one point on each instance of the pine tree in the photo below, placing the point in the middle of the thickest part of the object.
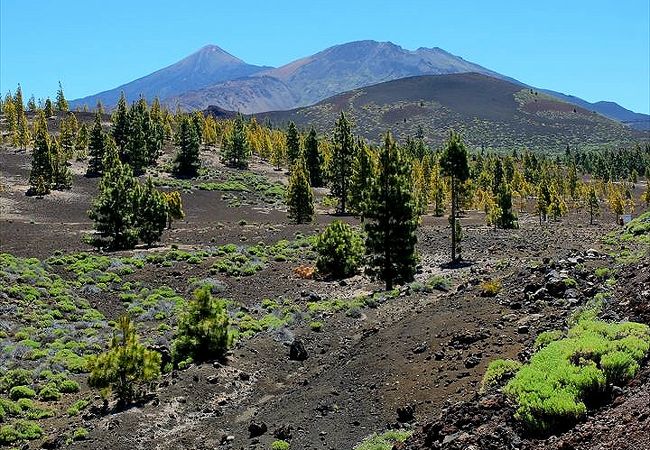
(174, 207)
(543, 200)
(126, 364)
(593, 203)
(22, 136)
(31, 104)
(341, 162)
(203, 329)
(362, 174)
(507, 219)
(314, 159)
(187, 163)
(236, 151)
(18, 102)
(11, 116)
(82, 141)
(40, 177)
(99, 107)
(120, 126)
(392, 219)
(68, 135)
(96, 147)
(113, 210)
(454, 165)
(437, 184)
(210, 132)
(61, 174)
(61, 102)
(293, 144)
(136, 153)
(151, 213)
(49, 109)
(300, 198)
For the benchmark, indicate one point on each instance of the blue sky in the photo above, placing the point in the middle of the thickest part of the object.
(597, 50)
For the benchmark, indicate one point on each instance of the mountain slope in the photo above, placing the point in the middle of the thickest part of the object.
(608, 109)
(334, 70)
(207, 66)
(489, 111)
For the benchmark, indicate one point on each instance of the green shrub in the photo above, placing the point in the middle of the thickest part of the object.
(384, 441)
(18, 392)
(16, 377)
(497, 371)
(19, 431)
(68, 386)
(570, 282)
(618, 366)
(316, 326)
(553, 390)
(602, 272)
(340, 250)
(125, 365)
(10, 408)
(77, 406)
(49, 392)
(80, 434)
(280, 445)
(546, 337)
(203, 329)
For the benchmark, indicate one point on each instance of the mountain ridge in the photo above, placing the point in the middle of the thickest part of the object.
(213, 77)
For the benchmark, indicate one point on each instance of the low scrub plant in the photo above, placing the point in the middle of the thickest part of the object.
(497, 371)
(490, 288)
(384, 441)
(566, 376)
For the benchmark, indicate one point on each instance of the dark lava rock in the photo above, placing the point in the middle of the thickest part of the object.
(283, 432)
(406, 414)
(472, 361)
(256, 429)
(297, 351)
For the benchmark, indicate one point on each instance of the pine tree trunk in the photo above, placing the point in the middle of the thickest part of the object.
(453, 219)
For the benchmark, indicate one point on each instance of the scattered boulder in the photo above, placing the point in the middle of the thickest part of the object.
(283, 432)
(406, 414)
(297, 351)
(256, 429)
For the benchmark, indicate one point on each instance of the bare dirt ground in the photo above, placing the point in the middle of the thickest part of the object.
(425, 350)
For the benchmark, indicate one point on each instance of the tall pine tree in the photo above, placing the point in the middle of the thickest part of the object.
(454, 165)
(300, 198)
(151, 217)
(114, 209)
(314, 159)
(120, 126)
(293, 144)
(40, 177)
(187, 163)
(236, 151)
(61, 102)
(136, 140)
(341, 162)
(363, 168)
(392, 219)
(96, 148)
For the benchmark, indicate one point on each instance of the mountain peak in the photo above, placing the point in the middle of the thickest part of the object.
(214, 52)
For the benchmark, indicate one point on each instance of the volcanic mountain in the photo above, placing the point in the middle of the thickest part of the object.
(491, 112)
(206, 67)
